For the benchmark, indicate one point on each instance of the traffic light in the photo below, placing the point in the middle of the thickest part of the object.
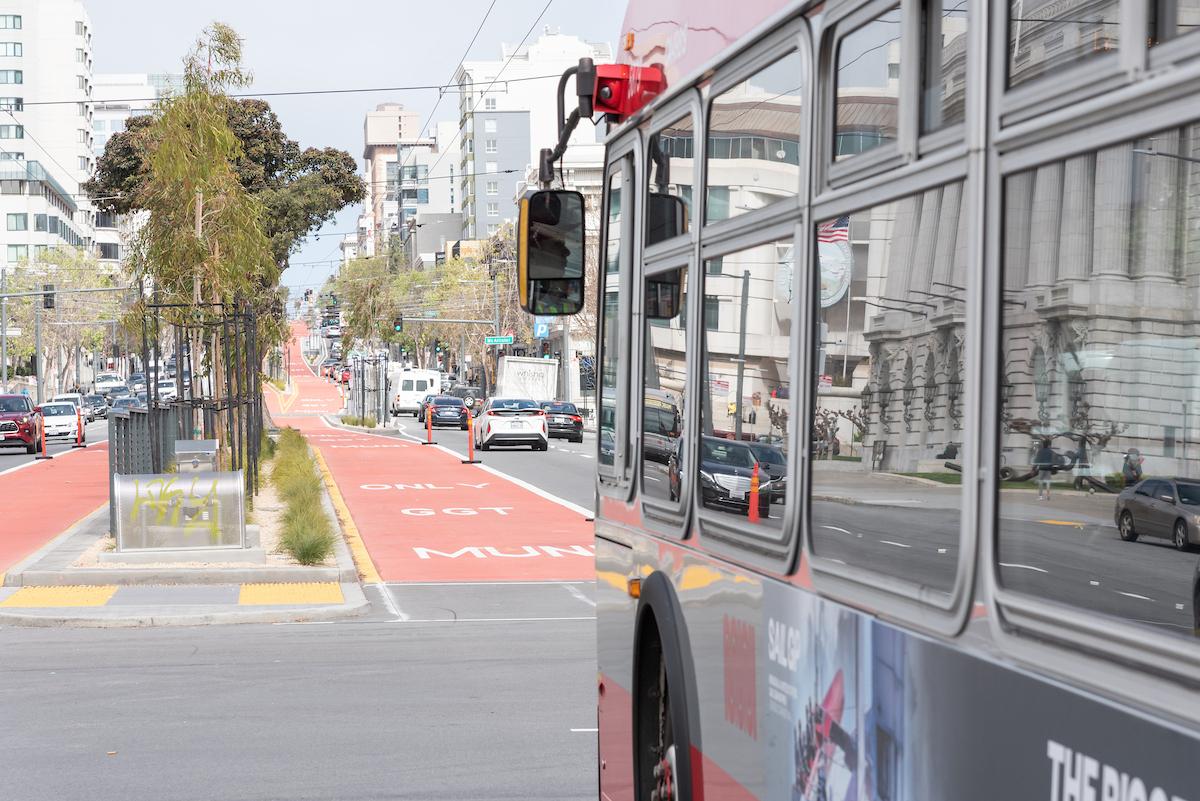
(48, 297)
(398, 325)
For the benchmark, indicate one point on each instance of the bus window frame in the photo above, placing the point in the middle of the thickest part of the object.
(740, 540)
(689, 102)
(1081, 80)
(1169, 53)
(956, 134)
(1084, 647)
(840, 24)
(671, 518)
(624, 154)
(792, 37)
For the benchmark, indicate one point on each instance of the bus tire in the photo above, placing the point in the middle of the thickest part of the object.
(664, 698)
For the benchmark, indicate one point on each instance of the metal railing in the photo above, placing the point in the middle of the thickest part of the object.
(140, 441)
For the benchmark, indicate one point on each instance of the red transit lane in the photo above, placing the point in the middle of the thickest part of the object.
(46, 498)
(425, 516)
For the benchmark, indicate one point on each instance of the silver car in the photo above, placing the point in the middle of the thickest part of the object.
(1161, 507)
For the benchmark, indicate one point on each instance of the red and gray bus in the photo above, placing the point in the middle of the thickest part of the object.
(951, 238)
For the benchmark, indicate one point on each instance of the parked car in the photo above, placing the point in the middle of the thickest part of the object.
(20, 423)
(1161, 507)
(512, 421)
(97, 404)
(127, 402)
(425, 401)
(726, 467)
(61, 420)
(77, 399)
(167, 391)
(137, 382)
(471, 396)
(563, 420)
(449, 411)
(106, 381)
(117, 392)
(772, 464)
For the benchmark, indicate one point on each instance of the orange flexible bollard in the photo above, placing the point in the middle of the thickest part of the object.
(429, 426)
(78, 428)
(43, 454)
(753, 510)
(470, 439)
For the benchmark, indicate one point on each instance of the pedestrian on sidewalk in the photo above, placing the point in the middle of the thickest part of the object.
(1044, 462)
(1131, 470)
(1083, 464)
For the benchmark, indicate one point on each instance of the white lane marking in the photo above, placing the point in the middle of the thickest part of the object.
(499, 619)
(941, 550)
(1023, 567)
(584, 730)
(842, 531)
(579, 594)
(1094, 583)
(651, 478)
(896, 502)
(586, 455)
(1134, 595)
(897, 544)
(390, 602)
(1179, 607)
(21, 466)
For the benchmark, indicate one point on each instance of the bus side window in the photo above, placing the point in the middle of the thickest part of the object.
(663, 386)
(609, 427)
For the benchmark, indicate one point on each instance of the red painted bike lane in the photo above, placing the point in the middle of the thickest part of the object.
(46, 498)
(425, 516)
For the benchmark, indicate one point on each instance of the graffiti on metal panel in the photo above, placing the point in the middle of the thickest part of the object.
(194, 507)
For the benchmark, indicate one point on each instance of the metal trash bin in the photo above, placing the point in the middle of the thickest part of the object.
(196, 455)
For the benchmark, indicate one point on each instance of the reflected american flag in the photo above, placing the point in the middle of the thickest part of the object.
(836, 231)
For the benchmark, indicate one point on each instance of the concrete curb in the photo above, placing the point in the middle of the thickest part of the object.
(133, 617)
(332, 419)
(180, 575)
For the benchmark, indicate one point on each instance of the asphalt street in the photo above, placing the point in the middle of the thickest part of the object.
(464, 692)
(11, 457)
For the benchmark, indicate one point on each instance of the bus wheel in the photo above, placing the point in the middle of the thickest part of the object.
(659, 779)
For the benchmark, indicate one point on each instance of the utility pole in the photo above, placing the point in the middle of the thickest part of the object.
(741, 362)
(3, 329)
(496, 325)
(37, 347)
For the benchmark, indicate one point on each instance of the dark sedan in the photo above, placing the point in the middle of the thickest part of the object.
(98, 405)
(726, 470)
(774, 462)
(1168, 508)
(447, 411)
(563, 420)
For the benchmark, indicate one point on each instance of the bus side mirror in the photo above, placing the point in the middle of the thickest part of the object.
(550, 258)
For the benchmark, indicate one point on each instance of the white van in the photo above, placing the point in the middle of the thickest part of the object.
(410, 387)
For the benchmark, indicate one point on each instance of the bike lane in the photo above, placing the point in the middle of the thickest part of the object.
(44, 499)
(426, 517)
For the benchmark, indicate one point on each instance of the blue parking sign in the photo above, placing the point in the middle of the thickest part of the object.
(541, 327)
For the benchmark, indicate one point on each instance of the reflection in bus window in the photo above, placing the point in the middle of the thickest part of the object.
(887, 421)
(1100, 382)
(744, 398)
(610, 358)
(1046, 35)
(663, 388)
(944, 67)
(1170, 19)
(868, 86)
(671, 153)
(754, 141)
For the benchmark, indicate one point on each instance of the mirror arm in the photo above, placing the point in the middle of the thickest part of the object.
(585, 89)
(547, 157)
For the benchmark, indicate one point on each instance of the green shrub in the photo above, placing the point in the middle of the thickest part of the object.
(355, 420)
(307, 531)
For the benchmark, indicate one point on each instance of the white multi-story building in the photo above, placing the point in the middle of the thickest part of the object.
(383, 131)
(45, 148)
(116, 98)
(505, 119)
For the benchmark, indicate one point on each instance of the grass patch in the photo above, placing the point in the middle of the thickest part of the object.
(354, 420)
(941, 478)
(847, 458)
(307, 531)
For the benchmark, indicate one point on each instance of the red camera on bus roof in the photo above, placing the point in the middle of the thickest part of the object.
(622, 89)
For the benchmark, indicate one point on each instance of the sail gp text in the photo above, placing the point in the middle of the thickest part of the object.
(1075, 776)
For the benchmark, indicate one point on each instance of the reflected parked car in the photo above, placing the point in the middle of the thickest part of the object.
(726, 469)
(774, 462)
(1160, 507)
(563, 420)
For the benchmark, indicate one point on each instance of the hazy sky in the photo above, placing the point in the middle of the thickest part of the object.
(346, 44)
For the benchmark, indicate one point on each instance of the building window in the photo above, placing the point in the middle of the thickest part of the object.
(10, 21)
(81, 81)
(39, 222)
(82, 135)
(493, 210)
(12, 49)
(12, 104)
(12, 187)
(492, 229)
(868, 86)
(80, 30)
(490, 167)
(489, 126)
(81, 109)
(17, 253)
(84, 165)
(490, 146)
(8, 155)
(493, 187)
(12, 132)
(489, 104)
(944, 66)
(80, 56)
(12, 76)
(1092, 34)
(18, 222)
(109, 250)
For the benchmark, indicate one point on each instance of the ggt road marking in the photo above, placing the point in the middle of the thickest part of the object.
(458, 511)
(420, 486)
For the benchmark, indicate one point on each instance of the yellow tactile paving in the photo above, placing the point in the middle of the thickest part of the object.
(328, 592)
(29, 597)
(358, 549)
